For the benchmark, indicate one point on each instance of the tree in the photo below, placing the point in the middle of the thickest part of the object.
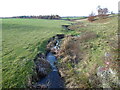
(102, 12)
(105, 11)
(91, 17)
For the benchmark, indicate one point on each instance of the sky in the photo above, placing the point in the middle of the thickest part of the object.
(10, 8)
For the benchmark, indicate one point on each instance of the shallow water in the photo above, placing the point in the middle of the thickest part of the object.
(53, 79)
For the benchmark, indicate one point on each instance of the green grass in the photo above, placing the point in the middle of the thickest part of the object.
(107, 32)
(22, 39)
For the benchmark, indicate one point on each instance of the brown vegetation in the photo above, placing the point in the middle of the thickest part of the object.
(91, 18)
(71, 53)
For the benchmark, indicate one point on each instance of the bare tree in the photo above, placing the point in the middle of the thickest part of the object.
(102, 12)
(91, 17)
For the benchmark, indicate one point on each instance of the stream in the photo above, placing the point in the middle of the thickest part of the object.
(53, 79)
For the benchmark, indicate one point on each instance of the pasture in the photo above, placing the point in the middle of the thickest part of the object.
(22, 39)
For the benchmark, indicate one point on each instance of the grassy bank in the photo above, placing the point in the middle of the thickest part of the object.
(79, 66)
(22, 39)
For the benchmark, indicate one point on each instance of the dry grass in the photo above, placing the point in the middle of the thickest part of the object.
(72, 52)
(87, 36)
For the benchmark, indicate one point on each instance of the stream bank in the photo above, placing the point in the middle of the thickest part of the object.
(71, 58)
(47, 75)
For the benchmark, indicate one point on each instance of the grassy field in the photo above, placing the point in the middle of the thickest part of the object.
(22, 39)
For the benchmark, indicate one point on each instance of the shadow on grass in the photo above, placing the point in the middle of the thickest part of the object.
(41, 46)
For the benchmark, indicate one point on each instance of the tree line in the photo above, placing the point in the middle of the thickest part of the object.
(40, 17)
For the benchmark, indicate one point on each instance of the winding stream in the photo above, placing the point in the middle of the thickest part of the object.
(53, 79)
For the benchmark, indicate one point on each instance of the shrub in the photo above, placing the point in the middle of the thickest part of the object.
(91, 17)
(102, 12)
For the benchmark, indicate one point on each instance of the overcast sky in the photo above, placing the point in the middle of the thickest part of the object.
(60, 7)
